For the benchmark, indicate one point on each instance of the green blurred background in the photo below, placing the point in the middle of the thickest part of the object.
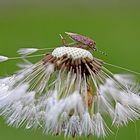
(114, 24)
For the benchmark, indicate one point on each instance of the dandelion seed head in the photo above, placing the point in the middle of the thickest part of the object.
(68, 92)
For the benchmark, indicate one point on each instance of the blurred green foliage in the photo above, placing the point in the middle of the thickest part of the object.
(115, 25)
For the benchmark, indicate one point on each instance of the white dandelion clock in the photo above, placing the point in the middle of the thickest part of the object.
(68, 92)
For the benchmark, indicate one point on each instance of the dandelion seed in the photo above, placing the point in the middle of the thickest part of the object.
(27, 51)
(68, 92)
(101, 128)
(3, 58)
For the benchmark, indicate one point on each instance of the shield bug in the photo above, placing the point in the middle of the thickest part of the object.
(82, 41)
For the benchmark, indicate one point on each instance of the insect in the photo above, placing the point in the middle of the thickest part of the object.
(81, 42)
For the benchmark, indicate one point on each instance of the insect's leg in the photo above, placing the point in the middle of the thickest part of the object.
(73, 44)
(63, 41)
(79, 45)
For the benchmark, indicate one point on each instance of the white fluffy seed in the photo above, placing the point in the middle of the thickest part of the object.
(3, 58)
(27, 51)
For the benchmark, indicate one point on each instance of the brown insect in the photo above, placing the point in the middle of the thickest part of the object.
(84, 41)
(81, 42)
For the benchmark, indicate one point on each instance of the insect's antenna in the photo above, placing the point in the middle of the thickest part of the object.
(115, 66)
(101, 52)
(5, 58)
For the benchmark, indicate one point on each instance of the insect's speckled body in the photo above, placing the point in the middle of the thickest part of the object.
(82, 41)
